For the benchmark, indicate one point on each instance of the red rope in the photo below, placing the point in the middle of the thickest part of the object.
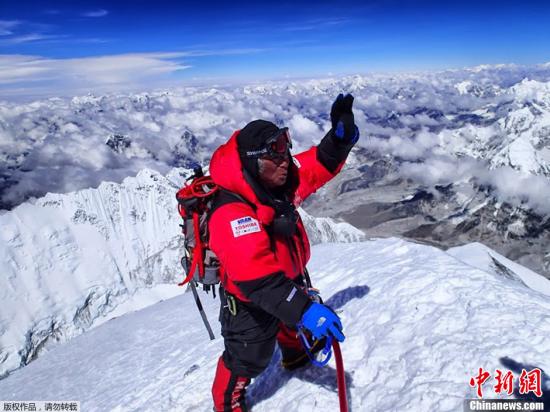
(199, 247)
(340, 376)
(199, 188)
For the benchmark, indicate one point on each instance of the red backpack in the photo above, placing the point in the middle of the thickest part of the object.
(199, 262)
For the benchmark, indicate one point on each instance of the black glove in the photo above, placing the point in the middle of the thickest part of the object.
(343, 122)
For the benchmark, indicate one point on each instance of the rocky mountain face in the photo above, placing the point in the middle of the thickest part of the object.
(70, 259)
(375, 197)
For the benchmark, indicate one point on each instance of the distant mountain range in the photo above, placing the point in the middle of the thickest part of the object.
(482, 118)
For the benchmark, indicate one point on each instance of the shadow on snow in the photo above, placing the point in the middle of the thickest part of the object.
(339, 299)
(517, 368)
(275, 377)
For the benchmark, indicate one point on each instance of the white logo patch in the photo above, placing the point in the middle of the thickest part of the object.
(296, 162)
(244, 226)
(291, 294)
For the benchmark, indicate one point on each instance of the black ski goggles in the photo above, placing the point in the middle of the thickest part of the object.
(277, 146)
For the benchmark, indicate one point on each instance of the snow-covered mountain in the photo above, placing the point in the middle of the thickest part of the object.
(67, 260)
(487, 117)
(419, 323)
(514, 133)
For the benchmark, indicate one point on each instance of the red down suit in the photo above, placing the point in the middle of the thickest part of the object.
(257, 265)
(261, 267)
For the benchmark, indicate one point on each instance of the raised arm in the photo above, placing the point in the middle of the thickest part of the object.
(321, 163)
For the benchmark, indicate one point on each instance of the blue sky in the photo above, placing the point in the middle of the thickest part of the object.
(139, 42)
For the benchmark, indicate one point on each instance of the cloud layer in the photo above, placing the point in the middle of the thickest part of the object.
(489, 125)
(88, 73)
(95, 13)
(26, 77)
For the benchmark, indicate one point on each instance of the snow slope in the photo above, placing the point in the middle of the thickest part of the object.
(484, 258)
(68, 260)
(419, 323)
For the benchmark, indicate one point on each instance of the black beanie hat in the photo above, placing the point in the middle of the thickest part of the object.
(253, 137)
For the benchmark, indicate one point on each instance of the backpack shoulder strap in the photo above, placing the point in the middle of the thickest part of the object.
(223, 197)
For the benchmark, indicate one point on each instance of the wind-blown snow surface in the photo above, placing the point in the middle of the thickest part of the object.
(67, 260)
(482, 257)
(419, 323)
(491, 123)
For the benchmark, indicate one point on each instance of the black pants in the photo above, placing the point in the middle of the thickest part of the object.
(249, 337)
(251, 334)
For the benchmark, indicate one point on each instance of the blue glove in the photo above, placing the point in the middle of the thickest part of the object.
(321, 321)
(342, 119)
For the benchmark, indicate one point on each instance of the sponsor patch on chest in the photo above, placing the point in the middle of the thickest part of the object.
(244, 226)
